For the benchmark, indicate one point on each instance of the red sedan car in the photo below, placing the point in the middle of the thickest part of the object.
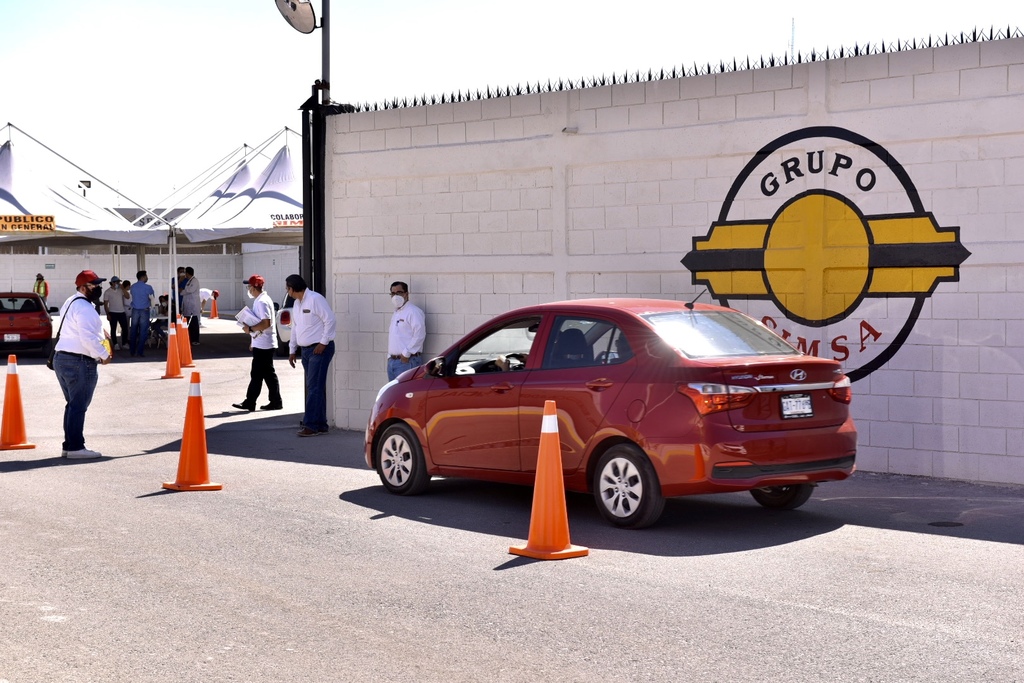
(24, 322)
(655, 399)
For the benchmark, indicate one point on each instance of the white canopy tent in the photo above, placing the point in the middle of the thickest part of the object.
(36, 207)
(267, 208)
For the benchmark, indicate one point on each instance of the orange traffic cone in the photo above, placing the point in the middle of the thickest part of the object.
(214, 315)
(193, 471)
(12, 429)
(549, 522)
(173, 370)
(184, 348)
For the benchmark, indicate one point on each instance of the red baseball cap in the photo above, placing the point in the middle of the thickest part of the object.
(255, 281)
(87, 277)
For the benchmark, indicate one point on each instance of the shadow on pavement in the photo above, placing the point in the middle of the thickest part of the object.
(724, 523)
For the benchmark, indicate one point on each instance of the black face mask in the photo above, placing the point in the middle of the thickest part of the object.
(95, 294)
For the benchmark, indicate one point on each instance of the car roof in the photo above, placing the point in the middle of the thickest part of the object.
(23, 295)
(631, 305)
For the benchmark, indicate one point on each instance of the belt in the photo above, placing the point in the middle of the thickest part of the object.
(412, 355)
(78, 355)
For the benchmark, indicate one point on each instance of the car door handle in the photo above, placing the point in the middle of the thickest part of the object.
(501, 388)
(599, 384)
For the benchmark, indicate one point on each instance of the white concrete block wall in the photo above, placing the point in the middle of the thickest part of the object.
(483, 206)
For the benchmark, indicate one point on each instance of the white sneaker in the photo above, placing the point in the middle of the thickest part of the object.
(84, 454)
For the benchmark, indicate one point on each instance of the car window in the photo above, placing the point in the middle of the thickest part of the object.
(502, 350)
(580, 342)
(717, 334)
(22, 304)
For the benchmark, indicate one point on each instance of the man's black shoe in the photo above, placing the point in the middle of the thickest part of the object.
(272, 406)
(242, 406)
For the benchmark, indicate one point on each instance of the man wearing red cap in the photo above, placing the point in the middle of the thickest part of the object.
(263, 347)
(80, 346)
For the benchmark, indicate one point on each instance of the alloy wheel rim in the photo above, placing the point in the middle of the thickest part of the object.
(621, 487)
(396, 460)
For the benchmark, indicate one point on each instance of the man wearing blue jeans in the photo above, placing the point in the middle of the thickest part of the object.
(80, 346)
(313, 330)
(406, 333)
(142, 300)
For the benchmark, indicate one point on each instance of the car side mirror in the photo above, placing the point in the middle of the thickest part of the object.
(53, 309)
(435, 366)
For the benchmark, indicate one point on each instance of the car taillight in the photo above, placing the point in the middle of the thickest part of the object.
(44, 320)
(712, 398)
(286, 318)
(841, 391)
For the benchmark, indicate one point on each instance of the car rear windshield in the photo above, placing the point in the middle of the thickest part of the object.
(20, 304)
(717, 334)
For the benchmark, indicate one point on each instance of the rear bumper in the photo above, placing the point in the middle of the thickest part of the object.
(754, 460)
(752, 471)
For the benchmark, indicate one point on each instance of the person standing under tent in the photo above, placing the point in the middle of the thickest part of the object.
(142, 300)
(191, 307)
(313, 330)
(113, 306)
(264, 347)
(80, 345)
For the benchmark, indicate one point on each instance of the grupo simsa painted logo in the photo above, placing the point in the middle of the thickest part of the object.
(824, 238)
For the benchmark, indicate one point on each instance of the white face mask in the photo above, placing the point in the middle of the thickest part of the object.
(248, 293)
(398, 301)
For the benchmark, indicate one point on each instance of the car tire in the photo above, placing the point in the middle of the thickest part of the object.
(282, 349)
(626, 488)
(44, 350)
(783, 497)
(400, 463)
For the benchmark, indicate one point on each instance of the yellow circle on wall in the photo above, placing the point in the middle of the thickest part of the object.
(816, 256)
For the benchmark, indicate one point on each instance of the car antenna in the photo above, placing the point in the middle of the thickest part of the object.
(689, 304)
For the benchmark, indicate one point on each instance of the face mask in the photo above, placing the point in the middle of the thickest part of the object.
(95, 294)
(248, 293)
(398, 301)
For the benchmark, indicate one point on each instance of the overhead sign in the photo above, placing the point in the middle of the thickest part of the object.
(27, 223)
(824, 238)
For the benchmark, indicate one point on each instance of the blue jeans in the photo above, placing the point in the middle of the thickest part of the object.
(315, 369)
(77, 377)
(396, 367)
(140, 330)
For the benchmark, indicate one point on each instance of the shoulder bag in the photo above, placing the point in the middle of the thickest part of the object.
(53, 348)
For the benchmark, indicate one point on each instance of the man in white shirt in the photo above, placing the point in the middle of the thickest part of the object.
(313, 330)
(406, 333)
(263, 346)
(114, 306)
(80, 345)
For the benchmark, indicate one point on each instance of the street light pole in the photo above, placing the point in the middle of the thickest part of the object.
(299, 13)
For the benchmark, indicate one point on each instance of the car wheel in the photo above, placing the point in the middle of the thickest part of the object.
(626, 488)
(400, 463)
(783, 497)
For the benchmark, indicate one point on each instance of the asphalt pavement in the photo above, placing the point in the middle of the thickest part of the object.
(304, 569)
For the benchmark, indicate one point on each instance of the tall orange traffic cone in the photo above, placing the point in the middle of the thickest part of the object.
(184, 348)
(549, 522)
(173, 370)
(193, 470)
(214, 315)
(12, 429)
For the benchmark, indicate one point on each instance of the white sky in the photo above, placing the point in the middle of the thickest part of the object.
(146, 95)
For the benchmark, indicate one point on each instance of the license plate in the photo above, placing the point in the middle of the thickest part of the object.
(797, 405)
(12, 337)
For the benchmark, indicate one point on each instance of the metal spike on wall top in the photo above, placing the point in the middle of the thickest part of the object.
(772, 61)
